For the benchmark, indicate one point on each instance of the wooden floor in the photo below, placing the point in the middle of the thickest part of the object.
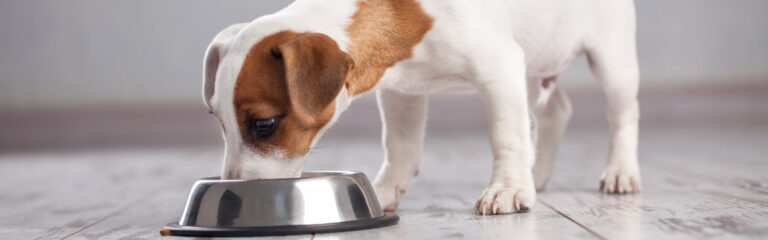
(703, 160)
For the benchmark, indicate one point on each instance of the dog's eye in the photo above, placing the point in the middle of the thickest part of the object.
(260, 128)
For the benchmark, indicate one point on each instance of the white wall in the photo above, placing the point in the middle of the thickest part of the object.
(59, 54)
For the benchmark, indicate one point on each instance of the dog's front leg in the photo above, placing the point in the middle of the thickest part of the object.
(404, 118)
(503, 88)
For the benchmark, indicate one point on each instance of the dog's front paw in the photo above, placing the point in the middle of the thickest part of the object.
(388, 195)
(500, 199)
(620, 179)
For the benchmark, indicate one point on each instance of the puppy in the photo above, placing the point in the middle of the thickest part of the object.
(278, 83)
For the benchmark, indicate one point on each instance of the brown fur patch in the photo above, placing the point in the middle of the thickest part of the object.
(295, 75)
(382, 33)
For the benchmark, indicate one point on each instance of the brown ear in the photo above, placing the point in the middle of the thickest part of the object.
(315, 69)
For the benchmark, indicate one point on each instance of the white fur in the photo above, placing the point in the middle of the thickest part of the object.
(499, 48)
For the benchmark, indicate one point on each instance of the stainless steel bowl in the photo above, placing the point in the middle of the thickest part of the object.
(316, 202)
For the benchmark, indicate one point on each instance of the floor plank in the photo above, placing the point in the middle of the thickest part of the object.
(435, 207)
(438, 204)
(61, 193)
(690, 191)
(702, 157)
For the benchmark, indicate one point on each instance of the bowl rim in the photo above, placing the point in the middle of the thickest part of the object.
(388, 219)
(325, 174)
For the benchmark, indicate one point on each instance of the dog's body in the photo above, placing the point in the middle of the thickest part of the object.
(283, 79)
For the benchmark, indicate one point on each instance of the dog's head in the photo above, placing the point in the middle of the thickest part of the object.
(274, 95)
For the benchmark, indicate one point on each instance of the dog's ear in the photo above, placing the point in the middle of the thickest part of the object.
(217, 49)
(315, 71)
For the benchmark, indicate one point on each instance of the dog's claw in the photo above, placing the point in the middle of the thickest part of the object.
(620, 181)
(499, 200)
(524, 208)
(388, 196)
(391, 207)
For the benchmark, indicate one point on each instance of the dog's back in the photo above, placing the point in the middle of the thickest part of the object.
(551, 32)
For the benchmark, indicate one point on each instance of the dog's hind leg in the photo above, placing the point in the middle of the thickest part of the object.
(404, 122)
(552, 111)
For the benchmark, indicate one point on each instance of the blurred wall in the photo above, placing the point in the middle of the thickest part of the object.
(84, 53)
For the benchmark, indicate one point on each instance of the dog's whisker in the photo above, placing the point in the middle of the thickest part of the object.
(319, 147)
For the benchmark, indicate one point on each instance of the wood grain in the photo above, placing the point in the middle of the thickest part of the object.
(702, 157)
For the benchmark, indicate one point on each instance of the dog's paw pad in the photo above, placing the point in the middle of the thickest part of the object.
(504, 200)
(620, 181)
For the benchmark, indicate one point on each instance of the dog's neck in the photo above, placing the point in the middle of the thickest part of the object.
(381, 33)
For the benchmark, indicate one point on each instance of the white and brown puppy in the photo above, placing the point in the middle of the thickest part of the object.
(277, 83)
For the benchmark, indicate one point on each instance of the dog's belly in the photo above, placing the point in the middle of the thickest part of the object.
(443, 75)
(413, 78)
(418, 83)
(539, 68)
(445, 84)
(428, 73)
